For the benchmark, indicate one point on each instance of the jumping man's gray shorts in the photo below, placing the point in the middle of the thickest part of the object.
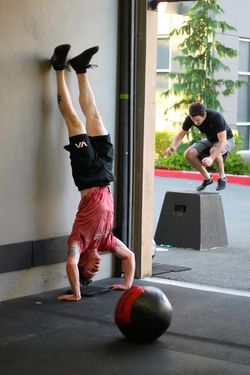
(204, 145)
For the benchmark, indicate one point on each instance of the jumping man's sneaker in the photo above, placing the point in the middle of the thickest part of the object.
(222, 183)
(58, 60)
(205, 183)
(81, 62)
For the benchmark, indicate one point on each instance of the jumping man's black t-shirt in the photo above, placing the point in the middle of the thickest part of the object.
(213, 124)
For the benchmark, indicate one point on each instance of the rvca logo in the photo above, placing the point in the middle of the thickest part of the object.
(81, 144)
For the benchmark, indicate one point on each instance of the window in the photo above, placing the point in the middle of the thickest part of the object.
(167, 49)
(163, 60)
(163, 63)
(243, 110)
(162, 66)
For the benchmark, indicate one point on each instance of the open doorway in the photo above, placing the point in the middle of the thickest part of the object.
(226, 266)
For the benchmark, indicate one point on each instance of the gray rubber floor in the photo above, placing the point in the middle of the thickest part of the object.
(226, 267)
(209, 334)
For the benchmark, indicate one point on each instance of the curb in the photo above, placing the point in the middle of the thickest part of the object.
(231, 179)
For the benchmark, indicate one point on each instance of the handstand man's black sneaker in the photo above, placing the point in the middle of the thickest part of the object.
(222, 183)
(58, 60)
(205, 183)
(81, 62)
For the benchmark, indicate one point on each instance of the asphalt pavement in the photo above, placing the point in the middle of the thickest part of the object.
(225, 267)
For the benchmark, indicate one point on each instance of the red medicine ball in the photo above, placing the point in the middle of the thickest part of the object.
(143, 313)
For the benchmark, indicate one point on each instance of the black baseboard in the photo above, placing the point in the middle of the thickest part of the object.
(22, 255)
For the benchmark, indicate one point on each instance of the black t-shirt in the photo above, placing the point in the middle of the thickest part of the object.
(213, 124)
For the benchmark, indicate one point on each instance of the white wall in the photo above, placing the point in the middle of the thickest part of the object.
(236, 13)
(38, 199)
(37, 195)
(40, 279)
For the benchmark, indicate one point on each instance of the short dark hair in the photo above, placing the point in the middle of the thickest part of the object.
(197, 109)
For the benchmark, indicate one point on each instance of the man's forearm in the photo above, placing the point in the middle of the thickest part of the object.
(217, 150)
(176, 143)
(73, 276)
(128, 265)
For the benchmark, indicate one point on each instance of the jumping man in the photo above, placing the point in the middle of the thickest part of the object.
(217, 145)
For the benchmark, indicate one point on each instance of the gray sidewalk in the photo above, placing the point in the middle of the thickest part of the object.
(221, 267)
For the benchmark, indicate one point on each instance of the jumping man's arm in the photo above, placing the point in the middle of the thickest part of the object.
(176, 142)
(217, 149)
(222, 137)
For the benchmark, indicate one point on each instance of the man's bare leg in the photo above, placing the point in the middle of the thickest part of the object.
(220, 166)
(75, 127)
(87, 101)
(80, 64)
(191, 155)
(58, 61)
(73, 122)
(222, 182)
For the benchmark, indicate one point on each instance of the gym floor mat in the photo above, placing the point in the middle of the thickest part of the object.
(91, 290)
(209, 334)
(159, 268)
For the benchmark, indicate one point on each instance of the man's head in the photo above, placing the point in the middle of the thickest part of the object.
(89, 264)
(197, 113)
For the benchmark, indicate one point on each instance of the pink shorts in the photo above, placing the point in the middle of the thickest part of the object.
(92, 229)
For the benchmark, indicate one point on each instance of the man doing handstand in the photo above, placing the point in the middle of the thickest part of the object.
(91, 156)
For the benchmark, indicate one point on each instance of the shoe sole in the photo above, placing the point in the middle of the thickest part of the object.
(210, 183)
(82, 60)
(221, 188)
(58, 60)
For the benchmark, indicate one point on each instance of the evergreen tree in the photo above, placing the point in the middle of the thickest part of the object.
(201, 58)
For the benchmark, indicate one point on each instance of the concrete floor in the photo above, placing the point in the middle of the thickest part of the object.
(209, 334)
(210, 329)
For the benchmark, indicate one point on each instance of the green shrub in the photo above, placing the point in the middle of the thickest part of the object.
(162, 140)
(234, 164)
(174, 162)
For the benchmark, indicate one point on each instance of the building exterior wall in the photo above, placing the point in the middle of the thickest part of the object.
(238, 105)
(236, 14)
(38, 199)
